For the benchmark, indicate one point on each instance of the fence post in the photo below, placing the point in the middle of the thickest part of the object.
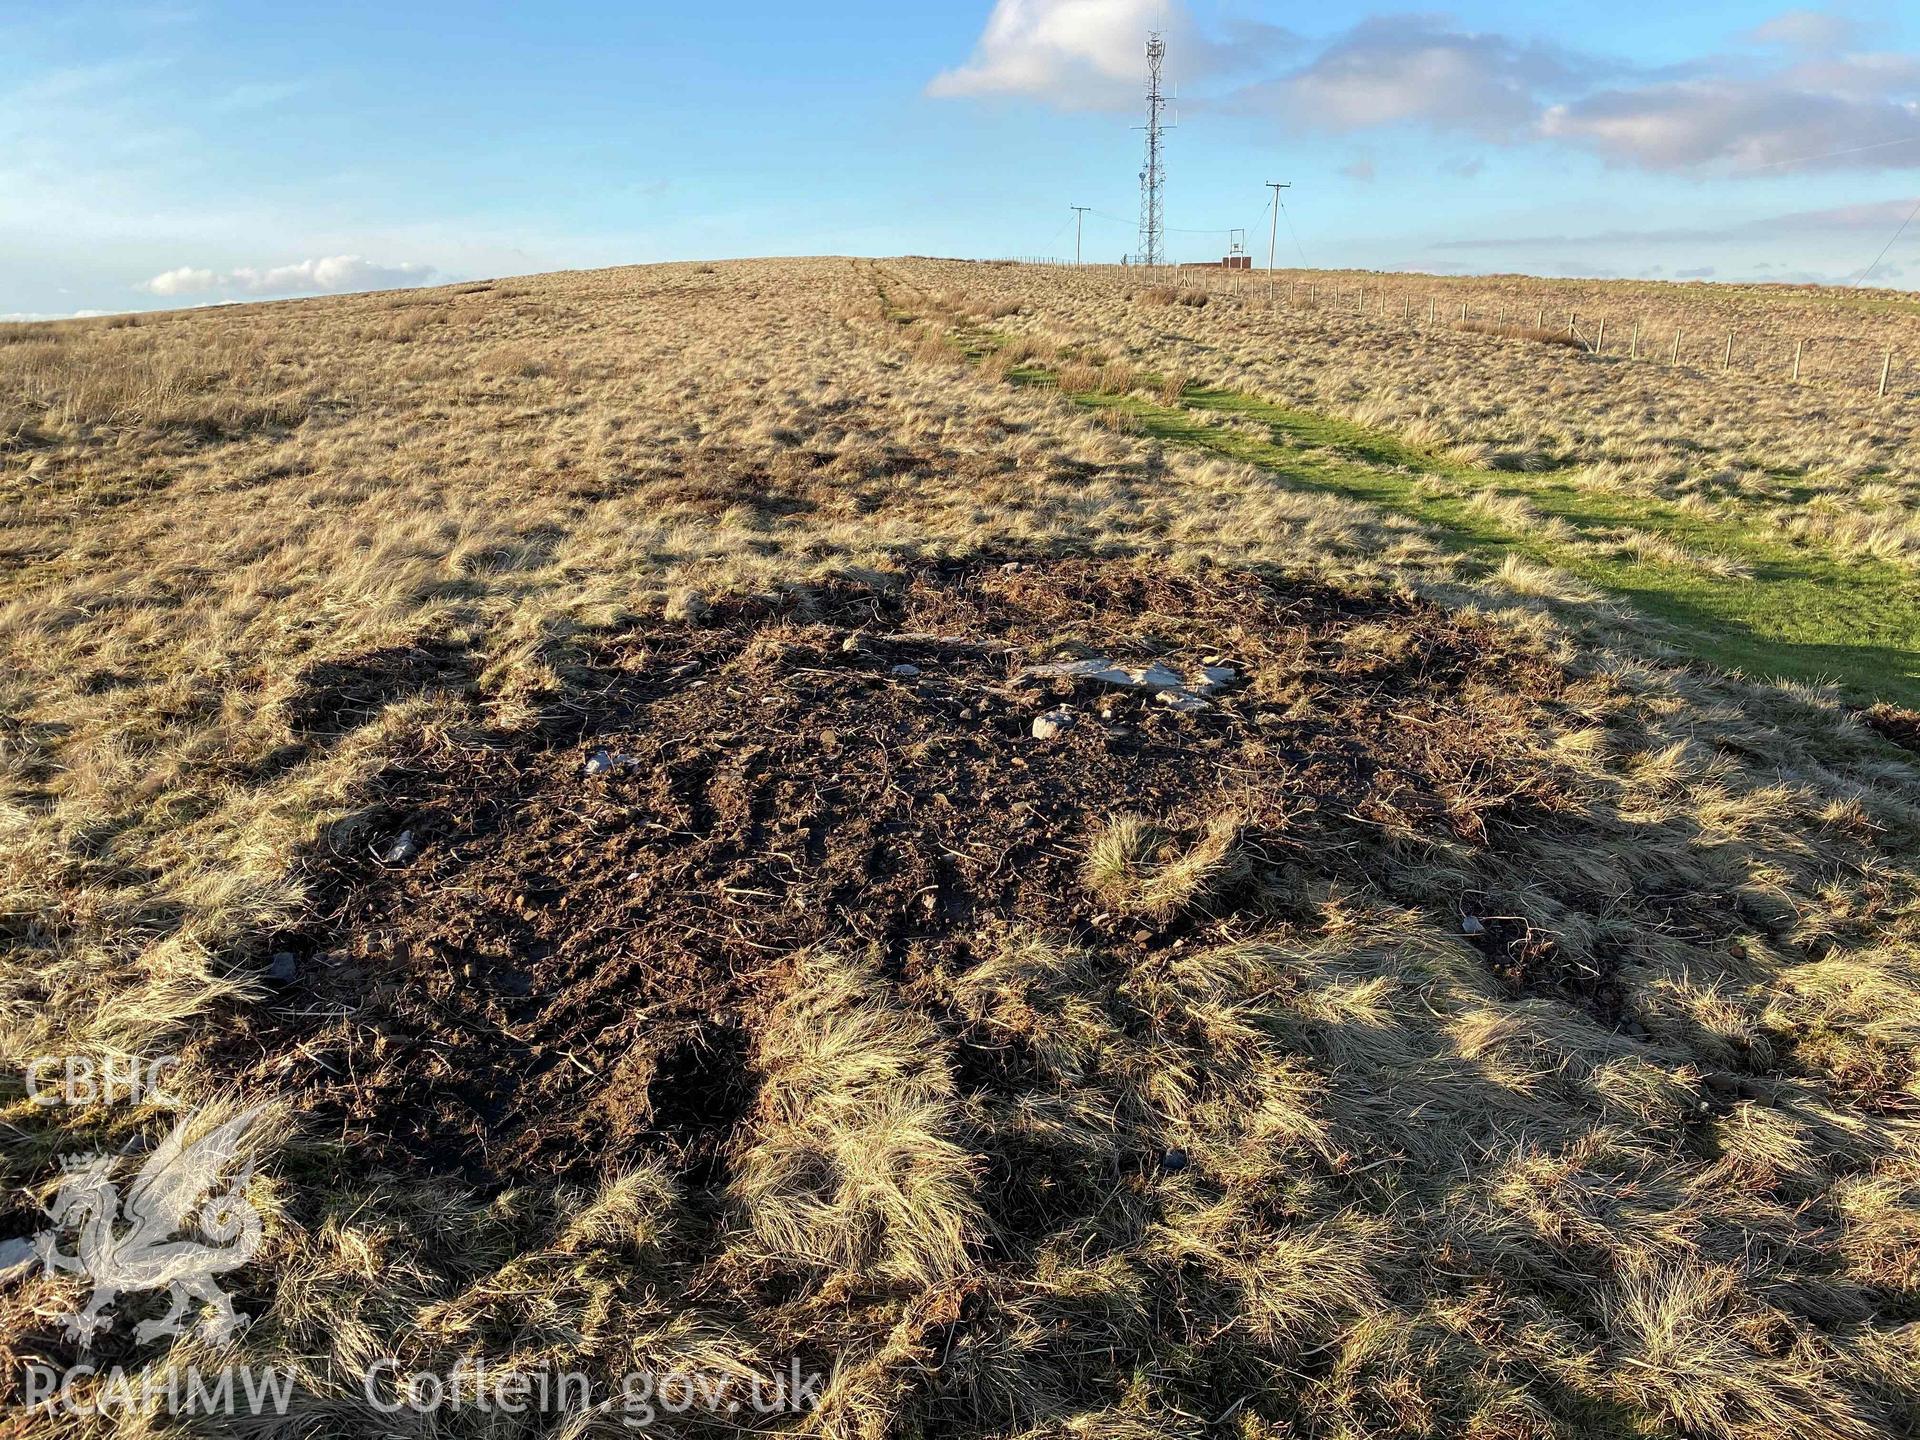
(1540, 319)
(1799, 349)
(1726, 360)
(1675, 361)
(1430, 309)
(1600, 335)
(1886, 369)
(1633, 347)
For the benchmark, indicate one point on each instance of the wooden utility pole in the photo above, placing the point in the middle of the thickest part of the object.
(1273, 230)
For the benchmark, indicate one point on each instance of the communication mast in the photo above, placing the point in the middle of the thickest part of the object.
(1153, 177)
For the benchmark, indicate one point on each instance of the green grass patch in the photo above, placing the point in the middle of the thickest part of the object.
(1803, 613)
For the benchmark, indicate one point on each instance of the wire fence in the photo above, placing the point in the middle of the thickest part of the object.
(1698, 343)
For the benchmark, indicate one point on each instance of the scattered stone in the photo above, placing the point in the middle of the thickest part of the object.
(601, 761)
(1181, 692)
(283, 967)
(905, 671)
(1147, 677)
(1053, 724)
(402, 849)
(1470, 925)
(948, 642)
(1012, 567)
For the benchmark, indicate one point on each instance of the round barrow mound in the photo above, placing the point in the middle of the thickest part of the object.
(568, 960)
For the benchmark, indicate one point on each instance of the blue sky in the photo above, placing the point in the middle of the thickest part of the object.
(164, 154)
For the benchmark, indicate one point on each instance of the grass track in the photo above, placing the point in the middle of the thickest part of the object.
(1805, 613)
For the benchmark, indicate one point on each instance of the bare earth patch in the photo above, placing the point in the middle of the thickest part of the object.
(572, 965)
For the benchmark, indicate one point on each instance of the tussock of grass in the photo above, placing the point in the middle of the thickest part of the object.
(853, 1166)
(1534, 333)
(1174, 295)
(1141, 868)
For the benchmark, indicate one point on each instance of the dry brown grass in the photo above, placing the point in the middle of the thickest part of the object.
(1508, 330)
(1823, 461)
(1137, 867)
(1412, 1198)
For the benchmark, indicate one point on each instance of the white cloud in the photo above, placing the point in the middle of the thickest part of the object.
(1839, 222)
(1803, 30)
(1768, 123)
(184, 281)
(1076, 54)
(1420, 69)
(1794, 94)
(27, 317)
(331, 275)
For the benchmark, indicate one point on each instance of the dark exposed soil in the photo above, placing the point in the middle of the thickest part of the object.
(1891, 722)
(570, 967)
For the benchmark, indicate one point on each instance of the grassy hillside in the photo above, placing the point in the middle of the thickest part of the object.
(591, 767)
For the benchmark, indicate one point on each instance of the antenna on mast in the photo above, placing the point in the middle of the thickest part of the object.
(1153, 175)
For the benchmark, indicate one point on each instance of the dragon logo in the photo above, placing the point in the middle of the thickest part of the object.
(177, 1227)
